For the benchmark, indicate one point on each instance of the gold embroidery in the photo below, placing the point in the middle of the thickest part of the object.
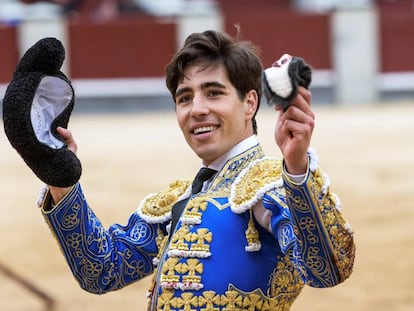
(252, 235)
(161, 241)
(209, 300)
(231, 300)
(259, 177)
(340, 234)
(168, 278)
(252, 301)
(221, 184)
(185, 302)
(165, 300)
(156, 208)
(179, 246)
(203, 235)
(192, 281)
(180, 239)
(72, 220)
(184, 269)
(286, 283)
(194, 209)
(236, 300)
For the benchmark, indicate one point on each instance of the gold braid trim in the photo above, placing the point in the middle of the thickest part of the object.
(338, 229)
(156, 208)
(253, 182)
(261, 176)
(232, 300)
(286, 282)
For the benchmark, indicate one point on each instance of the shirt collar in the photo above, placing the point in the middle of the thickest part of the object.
(241, 147)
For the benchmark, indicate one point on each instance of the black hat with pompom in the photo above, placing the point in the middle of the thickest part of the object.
(39, 99)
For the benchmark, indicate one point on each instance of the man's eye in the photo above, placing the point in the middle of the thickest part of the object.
(183, 99)
(213, 93)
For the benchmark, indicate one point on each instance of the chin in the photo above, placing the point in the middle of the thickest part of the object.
(205, 155)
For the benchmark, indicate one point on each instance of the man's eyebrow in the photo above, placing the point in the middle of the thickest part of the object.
(181, 91)
(204, 86)
(212, 84)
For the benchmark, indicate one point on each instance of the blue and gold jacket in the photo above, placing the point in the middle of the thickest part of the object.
(218, 257)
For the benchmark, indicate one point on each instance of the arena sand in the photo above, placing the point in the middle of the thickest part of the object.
(367, 152)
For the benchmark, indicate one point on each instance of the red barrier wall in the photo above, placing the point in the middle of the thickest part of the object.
(141, 46)
(278, 31)
(137, 47)
(272, 4)
(396, 40)
(9, 54)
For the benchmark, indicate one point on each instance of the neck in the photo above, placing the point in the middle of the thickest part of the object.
(239, 148)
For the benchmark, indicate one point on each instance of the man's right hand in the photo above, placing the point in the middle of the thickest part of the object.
(59, 193)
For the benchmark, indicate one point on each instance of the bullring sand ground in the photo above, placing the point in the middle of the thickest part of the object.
(367, 151)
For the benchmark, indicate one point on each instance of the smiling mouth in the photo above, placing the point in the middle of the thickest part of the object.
(204, 129)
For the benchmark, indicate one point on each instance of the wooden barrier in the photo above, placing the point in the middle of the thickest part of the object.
(396, 34)
(9, 53)
(284, 31)
(136, 47)
(139, 46)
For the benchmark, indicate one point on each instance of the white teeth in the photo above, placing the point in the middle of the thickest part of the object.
(204, 129)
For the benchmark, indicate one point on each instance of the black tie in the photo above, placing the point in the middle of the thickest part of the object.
(203, 174)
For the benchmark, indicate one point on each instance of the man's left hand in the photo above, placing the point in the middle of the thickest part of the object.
(293, 132)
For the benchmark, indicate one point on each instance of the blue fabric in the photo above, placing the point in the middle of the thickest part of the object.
(102, 260)
(206, 259)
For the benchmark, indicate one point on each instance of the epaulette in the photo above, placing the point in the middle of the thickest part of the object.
(253, 182)
(156, 207)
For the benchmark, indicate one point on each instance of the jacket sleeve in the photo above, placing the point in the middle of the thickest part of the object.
(308, 223)
(101, 260)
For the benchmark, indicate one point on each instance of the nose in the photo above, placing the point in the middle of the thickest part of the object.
(199, 106)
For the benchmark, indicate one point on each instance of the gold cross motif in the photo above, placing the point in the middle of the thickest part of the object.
(168, 270)
(251, 302)
(203, 235)
(180, 238)
(164, 301)
(187, 300)
(232, 300)
(209, 299)
(195, 207)
(192, 267)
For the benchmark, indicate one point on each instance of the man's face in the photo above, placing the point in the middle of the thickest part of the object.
(210, 113)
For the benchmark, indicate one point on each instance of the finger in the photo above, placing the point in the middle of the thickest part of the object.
(298, 128)
(306, 94)
(302, 100)
(300, 112)
(65, 134)
(296, 123)
(68, 139)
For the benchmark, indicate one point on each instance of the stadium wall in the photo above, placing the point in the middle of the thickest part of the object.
(129, 54)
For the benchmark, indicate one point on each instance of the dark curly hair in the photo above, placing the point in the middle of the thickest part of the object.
(240, 59)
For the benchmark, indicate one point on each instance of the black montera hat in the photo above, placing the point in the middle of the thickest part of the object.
(39, 99)
(281, 80)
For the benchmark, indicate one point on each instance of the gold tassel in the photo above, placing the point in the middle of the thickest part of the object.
(252, 236)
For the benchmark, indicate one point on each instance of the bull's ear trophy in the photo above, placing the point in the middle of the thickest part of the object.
(282, 79)
(40, 98)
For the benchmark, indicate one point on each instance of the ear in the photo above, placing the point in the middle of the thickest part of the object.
(251, 104)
